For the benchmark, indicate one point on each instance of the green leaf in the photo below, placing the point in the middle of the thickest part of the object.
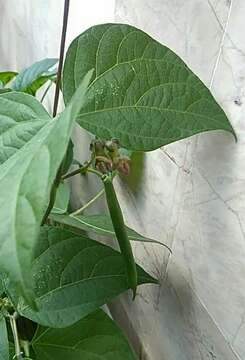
(38, 83)
(31, 78)
(7, 76)
(92, 338)
(26, 179)
(141, 93)
(100, 224)
(62, 199)
(21, 117)
(73, 276)
(5, 90)
(4, 345)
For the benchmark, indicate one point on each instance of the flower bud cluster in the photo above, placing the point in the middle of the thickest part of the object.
(107, 157)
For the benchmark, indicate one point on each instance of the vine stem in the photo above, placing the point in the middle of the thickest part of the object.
(46, 91)
(56, 101)
(18, 353)
(80, 170)
(61, 58)
(90, 202)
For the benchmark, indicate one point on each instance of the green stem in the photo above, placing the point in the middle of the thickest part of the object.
(96, 172)
(89, 203)
(121, 233)
(26, 347)
(56, 101)
(52, 196)
(46, 91)
(18, 353)
(80, 170)
(61, 57)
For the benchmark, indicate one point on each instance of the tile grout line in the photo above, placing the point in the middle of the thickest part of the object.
(221, 47)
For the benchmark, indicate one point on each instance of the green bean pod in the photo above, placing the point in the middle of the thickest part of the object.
(121, 233)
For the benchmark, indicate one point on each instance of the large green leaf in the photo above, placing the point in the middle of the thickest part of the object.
(7, 76)
(4, 345)
(21, 117)
(101, 224)
(73, 276)
(96, 337)
(31, 78)
(26, 179)
(142, 93)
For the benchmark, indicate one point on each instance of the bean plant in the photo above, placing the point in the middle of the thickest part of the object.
(132, 94)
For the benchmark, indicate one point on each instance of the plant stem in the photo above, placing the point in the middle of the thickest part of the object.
(80, 170)
(56, 100)
(96, 172)
(52, 195)
(18, 353)
(26, 347)
(61, 58)
(46, 91)
(90, 202)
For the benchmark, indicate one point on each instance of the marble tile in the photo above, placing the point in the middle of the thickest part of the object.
(196, 191)
(172, 323)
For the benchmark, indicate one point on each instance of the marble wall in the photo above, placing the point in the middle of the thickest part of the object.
(191, 195)
(30, 30)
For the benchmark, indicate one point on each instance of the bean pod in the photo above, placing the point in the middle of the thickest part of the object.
(121, 233)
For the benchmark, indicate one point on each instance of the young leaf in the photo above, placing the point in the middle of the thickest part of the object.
(94, 337)
(5, 90)
(39, 82)
(4, 345)
(73, 276)
(26, 179)
(25, 80)
(142, 93)
(21, 117)
(7, 76)
(100, 224)
(62, 199)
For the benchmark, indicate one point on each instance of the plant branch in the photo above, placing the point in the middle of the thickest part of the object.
(96, 172)
(61, 58)
(80, 170)
(52, 196)
(56, 100)
(90, 202)
(18, 353)
(46, 91)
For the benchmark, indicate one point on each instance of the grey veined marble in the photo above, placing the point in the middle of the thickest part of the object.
(191, 195)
